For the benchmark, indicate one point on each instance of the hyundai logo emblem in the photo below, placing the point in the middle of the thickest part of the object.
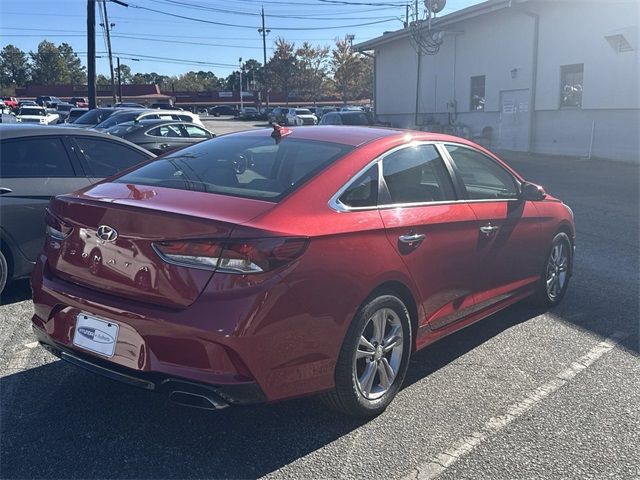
(107, 233)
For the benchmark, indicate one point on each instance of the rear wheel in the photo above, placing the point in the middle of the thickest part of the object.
(556, 273)
(374, 358)
(4, 271)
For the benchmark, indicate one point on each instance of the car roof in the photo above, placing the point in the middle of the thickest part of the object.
(156, 121)
(13, 130)
(357, 135)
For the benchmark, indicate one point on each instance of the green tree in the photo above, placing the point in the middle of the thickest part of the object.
(14, 67)
(252, 74)
(283, 67)
(74, 71)
(48, 67)
(102, 80)
(351, 71)
(311, 70)
(125, 73)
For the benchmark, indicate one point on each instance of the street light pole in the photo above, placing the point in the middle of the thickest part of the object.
(263, 31)
(241, 104)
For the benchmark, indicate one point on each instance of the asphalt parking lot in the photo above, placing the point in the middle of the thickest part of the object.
(522, 394)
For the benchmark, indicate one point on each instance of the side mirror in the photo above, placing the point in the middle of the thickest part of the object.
(533, 192)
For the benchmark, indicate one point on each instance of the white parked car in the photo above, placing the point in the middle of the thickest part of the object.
(137, 114)
(301, 116)
(37, 114)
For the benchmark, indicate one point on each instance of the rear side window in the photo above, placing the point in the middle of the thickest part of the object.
(106, 158)
(363, 192)
(483, 178)
(417, 175)
(166, 131)
(196, 132)
(34, 157)
(243, 166)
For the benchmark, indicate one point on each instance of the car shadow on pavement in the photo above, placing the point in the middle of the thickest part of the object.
(16, 291)
(60, 421)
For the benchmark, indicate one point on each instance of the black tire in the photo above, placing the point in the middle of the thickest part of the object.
(4, 271)
(542, 296)
(347, 397)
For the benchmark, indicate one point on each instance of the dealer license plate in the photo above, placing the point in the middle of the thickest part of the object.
(96, 335)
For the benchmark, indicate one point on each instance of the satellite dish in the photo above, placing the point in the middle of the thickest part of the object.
(435, 6)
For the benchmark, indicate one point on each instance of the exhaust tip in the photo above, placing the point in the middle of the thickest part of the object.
(204, 401)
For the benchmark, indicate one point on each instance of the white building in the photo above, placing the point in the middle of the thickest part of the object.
(575, 61)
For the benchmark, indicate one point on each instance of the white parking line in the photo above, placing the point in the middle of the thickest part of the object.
(443, 460)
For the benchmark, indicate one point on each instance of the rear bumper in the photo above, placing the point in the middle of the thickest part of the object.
(229, 342)
(233, 394)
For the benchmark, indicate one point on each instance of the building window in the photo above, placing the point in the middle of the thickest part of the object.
(477, 93)
(571, 85)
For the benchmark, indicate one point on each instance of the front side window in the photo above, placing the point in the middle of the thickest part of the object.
(34, 158)
(417, 175)
(242, 166)
(106, 158)
(571, 77)
(477, 93)
(363, 192)
(483, 178)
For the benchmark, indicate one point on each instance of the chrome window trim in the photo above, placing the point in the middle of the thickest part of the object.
(336, 205)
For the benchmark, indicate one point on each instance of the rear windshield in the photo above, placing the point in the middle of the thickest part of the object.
(123, 129)
(93, 117)
(355, 119)
(243, 166)
(118, 118)
(32, 111)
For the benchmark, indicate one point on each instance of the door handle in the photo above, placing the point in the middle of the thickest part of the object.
(489, 229)
(410, 239)
(4, 190)
(164, 145)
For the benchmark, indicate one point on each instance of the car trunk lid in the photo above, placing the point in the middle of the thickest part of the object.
(120, 258)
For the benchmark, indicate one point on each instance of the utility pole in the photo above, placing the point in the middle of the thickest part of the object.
(91, 52)
(107, 26)
(263, 31)
(241, 104)
(119, 81)
(406, 16)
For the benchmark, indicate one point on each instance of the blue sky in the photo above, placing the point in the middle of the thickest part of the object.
(140, 32)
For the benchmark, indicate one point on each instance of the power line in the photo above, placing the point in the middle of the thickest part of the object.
(253, 14)
(211, 22)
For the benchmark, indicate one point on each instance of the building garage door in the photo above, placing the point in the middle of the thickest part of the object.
(514, 120)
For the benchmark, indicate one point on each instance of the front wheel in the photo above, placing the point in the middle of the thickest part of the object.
(374, 358)
(4, 271)
(556, 272)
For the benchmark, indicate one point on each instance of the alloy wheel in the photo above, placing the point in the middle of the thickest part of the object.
(557, 269)
(379, 353)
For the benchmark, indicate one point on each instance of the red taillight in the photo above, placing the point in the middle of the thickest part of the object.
(56, 228)
(233, 256)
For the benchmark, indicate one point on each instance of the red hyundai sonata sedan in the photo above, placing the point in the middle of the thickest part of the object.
(266, 265)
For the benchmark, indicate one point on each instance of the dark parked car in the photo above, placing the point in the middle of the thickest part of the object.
(37, 163)
(347, 117)
(63, 109)
(222, 110)
(248, 113)
(279, 115)
(75, 114)
(161, 136)
(47, 101)
(93, 117)
(265, 265)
